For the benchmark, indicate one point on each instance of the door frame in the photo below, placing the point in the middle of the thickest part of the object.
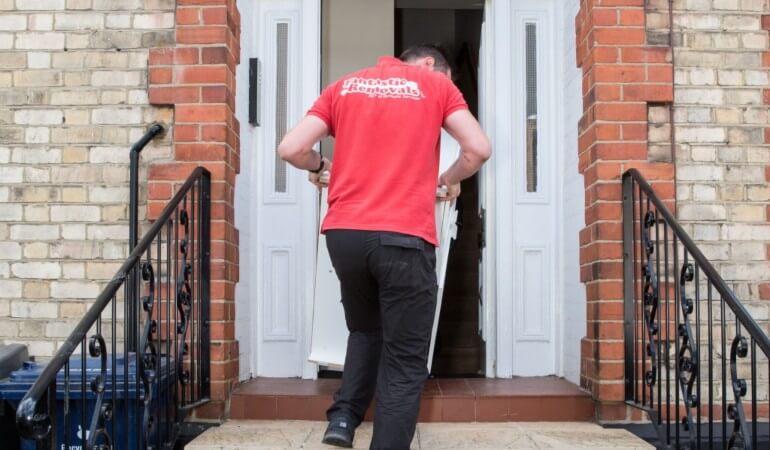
(499, 316)
(497, 319)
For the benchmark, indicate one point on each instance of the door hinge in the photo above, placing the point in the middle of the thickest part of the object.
(483, 232)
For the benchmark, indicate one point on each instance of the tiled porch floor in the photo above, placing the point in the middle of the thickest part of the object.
(261, 435)
(443, 400)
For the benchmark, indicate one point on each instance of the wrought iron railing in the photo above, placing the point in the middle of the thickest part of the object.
(696, 361)
(100, 398)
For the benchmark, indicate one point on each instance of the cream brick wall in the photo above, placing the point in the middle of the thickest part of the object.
(73, 98)
(720, 117)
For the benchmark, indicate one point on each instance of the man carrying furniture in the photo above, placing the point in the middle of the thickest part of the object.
(381, 228)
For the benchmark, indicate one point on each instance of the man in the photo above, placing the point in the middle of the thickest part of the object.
(381, 229)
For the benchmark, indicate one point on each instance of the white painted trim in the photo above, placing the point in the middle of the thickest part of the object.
(487, 180)
(311, 88)
(501, 162)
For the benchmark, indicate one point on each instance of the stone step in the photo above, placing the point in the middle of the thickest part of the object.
(261, 435)
(542, 399)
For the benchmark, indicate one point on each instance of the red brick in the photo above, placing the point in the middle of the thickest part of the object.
(644, 55)
(202, 35)
(215, 94)
(766, 59)
(660, 73)
(605, 54)
(173, 56)
(632, 17)
(160, 75)
(620, 36)
(203, 2)
(200, 152)
(610, 350)
(214, 55)
(611, 412)
(215, 16)
(648, 92)
(201, 75)
(186, 133)
(764, 290)
(607, 92)
(619, 73)
(766, 22)
(173, 95)
(158, 191)
(604, 16)
(653, 171)
(607, 132)
(634, 131)
(621, 111)
(203, 113)
(188, 16)
(621, 151)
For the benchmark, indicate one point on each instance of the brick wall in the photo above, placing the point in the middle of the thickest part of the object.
(197, 77)
(79, 82)
(627, 83)
(73, 96)
(721, 117)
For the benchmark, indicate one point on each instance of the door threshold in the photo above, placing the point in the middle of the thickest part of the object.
(526, 399)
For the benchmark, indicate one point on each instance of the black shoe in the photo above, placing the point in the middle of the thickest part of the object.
(339, 433)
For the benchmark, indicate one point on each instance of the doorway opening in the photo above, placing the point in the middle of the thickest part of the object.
(456, 27)
(354, 34)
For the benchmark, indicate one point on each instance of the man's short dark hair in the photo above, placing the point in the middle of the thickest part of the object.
(440, 58)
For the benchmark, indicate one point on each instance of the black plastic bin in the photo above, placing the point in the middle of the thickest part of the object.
(13, 389)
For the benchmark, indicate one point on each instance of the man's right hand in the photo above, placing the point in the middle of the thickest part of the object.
(452, 189)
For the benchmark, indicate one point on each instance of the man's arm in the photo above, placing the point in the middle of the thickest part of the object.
(296, 148)
(474, 149)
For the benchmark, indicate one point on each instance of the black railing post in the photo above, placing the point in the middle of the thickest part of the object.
(628, 286)
(133, 230)
(205, 288)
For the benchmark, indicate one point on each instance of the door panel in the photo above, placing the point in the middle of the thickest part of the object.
(280, 191)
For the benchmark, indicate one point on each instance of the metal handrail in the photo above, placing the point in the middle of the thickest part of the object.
(670, 345)
(34, 424)
(716, 279)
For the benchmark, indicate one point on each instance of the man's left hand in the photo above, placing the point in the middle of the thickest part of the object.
(321, 179)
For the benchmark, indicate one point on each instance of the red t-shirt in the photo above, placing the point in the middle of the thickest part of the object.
(387, 122)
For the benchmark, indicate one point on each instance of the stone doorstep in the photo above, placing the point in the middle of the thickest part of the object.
(260, 435)
(530, 399)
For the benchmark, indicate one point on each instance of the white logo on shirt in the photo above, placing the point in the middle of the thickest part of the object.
(379, 88)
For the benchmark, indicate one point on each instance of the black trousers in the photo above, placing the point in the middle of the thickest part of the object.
(388, 283)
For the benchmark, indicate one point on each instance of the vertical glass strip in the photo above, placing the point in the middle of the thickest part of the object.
(281, 101)
(531, 88)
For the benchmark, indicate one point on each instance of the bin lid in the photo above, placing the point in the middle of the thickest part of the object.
(20, 381)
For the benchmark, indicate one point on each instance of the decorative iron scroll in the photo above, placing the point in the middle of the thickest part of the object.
(651, 299)
(739, 438)
(102, 411)
(183, 301)
(688, 305)
(687, 359)
(148, 363)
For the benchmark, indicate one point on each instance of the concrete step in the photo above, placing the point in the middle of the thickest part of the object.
(541, 399)
(260, 435)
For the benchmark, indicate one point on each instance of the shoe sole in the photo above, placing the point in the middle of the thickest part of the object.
(337, 441)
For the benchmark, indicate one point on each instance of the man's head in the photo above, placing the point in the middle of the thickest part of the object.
(429, 56)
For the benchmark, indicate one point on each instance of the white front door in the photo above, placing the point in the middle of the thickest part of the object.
(279, 264)
(520, 191)
(525, 241)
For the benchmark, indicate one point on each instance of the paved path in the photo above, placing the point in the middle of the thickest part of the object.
(262, 435)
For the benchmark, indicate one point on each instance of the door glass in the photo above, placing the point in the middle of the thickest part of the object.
(281, 100)
(531, 87)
